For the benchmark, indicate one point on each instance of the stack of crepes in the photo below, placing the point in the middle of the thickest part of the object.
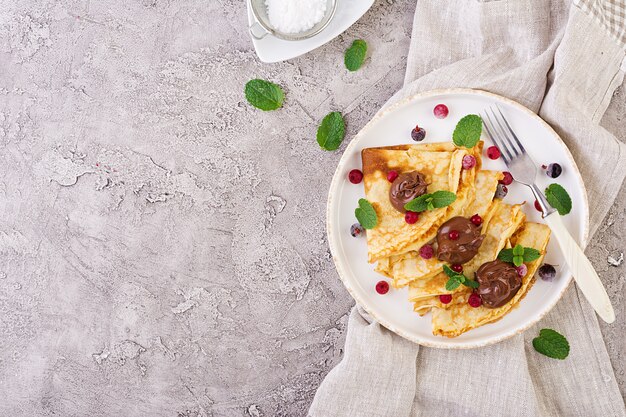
(394, 244)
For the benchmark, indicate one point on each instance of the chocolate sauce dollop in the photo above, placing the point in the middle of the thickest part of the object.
(499, 282)
(464, 248)
(405, 188)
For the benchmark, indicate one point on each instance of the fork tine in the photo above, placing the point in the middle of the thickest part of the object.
(493, 135)
(506, 138)
(521, 147)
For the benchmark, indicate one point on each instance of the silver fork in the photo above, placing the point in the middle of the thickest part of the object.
(524, 170)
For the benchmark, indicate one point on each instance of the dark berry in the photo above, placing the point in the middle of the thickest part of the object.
(445, 298)
(493, 152)
(508, 178)
(411, 217)
(501, 191)
(356, 230)
(418, 134)
(476, 219)
(547, 272)
(427, 252)
(440, 111)
(392, 175)
(537, 206)
(469, 162)
(453, 235)
(457, 268)
(554, 170)
(474, 300)
(355, 176)
(382, 287)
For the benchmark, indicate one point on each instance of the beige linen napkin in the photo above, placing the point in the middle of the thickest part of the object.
(562, 60)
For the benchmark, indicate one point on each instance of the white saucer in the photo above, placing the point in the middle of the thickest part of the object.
(271, 49)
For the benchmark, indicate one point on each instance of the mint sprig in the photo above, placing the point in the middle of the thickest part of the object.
(558, 198)
(456, 279)
(467, 131)
(366, 215)
(264, 95)
(519, 255)
(331, 131)
(552, 344)
(355, 55)
(438, 199)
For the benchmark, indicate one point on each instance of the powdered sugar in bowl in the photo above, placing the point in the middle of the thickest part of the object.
(291, 20)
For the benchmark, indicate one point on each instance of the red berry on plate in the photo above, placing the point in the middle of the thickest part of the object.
(411, 217)
(445, 298)
(508, 178)
(474, 300)
(537, 206)
(457, 268)
(392, 175)
(382, 287)
(476, 219)
(355, 176)
(469, 162)
(493, 152)
(453, 235)
(440, 111)
(427, 252)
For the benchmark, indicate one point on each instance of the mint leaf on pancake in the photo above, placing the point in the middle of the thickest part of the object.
(467, 131)
(552, 344)
(366, 215)
(558, 198)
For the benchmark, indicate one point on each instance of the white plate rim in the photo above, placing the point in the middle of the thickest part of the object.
(337, 177)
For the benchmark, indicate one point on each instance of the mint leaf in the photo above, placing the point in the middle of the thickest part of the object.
(531, 254)
(448, 271)
(331, 131)
(264, 95)
(552, 344)
(467, 131)
(438, 199)
(471, 283)
(453, 283)
(518, 250)
(506, 255)
(366, 215)
(558, 198)
(443, 198)
(355, 55)
(518, 260)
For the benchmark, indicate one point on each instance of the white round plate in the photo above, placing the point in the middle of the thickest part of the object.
(393, 126)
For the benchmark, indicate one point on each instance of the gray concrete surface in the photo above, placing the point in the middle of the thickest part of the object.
(162, 244)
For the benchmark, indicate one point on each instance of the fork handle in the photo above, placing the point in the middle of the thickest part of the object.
(585, 275)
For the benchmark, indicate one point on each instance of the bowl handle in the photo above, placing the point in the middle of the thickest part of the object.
(254, 31)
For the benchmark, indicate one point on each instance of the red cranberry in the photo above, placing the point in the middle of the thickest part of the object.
(453, 235)
(355, 176)
(411, 217)
(493, 152)
(382, 287)
(427, 252)
(474, 300)
(392, 175)
(469, 162)
(476, 219)
(537, 206)
(522, 270)
(445, 298)
(440, 111)
(457, 268)
(508, 178)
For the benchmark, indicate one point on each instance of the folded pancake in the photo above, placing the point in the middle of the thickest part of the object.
(498, 229)
(461, 317)
(441, 165)
(411, 266)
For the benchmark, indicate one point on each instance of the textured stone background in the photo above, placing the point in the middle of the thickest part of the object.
(162, 244)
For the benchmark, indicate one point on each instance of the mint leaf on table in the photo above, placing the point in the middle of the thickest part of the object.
(331, 131)
(438, 199)
(518, 255)
(552, 344)
(558, 198)
(467, 131)
(355, 55)
(264, 95)
(366, 215)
